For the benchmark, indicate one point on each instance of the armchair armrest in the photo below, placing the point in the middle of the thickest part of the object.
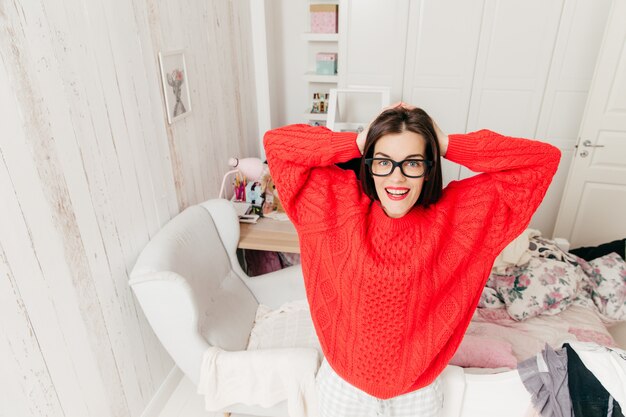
(276, 288)
(168, 304)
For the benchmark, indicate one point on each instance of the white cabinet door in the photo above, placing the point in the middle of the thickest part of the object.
(594, 201)
(441, 56)
(514, 55)
(373, 49)
(512, 66)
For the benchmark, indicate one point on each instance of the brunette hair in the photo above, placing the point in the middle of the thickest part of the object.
(398, 120)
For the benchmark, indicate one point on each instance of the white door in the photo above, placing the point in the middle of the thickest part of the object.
(373, 45)
(440, 59)
(593, 209)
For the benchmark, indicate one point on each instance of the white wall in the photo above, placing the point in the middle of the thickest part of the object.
(89, 170)
(288, 60)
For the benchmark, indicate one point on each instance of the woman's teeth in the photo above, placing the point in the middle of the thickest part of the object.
(397, 192)
(397, 195)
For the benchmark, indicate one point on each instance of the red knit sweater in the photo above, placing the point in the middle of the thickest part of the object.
(391, 298)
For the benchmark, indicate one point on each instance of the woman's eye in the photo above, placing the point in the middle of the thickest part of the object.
(413, 164)
(383, 163)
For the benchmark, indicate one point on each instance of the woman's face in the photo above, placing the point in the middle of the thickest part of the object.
(396, 192)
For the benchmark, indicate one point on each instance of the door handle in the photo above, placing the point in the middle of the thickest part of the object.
(588, 144)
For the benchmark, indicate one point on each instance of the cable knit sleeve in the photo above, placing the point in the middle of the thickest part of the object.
(302, 162)
(496, 206)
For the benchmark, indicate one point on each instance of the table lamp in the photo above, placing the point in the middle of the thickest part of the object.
(251, 168)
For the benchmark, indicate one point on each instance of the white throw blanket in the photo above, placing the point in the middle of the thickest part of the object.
(260, 378)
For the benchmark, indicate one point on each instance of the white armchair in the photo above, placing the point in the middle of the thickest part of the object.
(195, 295)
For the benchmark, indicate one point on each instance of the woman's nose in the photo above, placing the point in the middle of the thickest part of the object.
(397, 175)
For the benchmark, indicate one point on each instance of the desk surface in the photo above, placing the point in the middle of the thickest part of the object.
(268, 234)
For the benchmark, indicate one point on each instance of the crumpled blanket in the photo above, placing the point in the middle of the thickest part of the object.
(261, 378)
(516, 252)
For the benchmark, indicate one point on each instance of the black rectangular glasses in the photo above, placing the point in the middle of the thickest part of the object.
(411, 168)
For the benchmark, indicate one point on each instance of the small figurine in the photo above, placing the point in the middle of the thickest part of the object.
(316, 103)
(272, 202)
(254, 193)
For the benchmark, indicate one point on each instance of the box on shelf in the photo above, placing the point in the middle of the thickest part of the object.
(326, 63)
(323, 18)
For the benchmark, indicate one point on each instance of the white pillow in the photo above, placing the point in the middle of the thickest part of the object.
(290, 325)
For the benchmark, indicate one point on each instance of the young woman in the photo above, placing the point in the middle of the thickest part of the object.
(394, 266)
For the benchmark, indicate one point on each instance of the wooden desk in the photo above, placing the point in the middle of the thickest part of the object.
(268, 234)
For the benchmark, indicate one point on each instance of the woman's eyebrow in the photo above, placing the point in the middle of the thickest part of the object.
(406, 157)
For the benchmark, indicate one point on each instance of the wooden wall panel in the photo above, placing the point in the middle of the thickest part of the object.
(90, 170)
(43, 247)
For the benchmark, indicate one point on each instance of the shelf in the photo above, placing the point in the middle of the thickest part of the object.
(320, 37)
(315, 43)
(316, 116)
(316, 78)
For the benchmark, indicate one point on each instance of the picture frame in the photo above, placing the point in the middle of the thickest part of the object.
(354, 99)
(175, 81)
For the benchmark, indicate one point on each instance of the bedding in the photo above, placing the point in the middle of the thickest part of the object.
(550, 296)
(590, 253)
(542, 296)
(606, 285)
(479, 352)
(542, 286)
(529, 337)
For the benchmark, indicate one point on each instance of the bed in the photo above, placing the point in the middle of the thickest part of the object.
(538, 294)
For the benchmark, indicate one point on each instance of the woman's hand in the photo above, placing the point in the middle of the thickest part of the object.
(442, 138)
(360, 139)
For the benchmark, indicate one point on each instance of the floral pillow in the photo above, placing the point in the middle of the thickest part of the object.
(607, 279)
(490, 298)
(543, 286)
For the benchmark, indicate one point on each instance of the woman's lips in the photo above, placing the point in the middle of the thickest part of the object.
(397, 193)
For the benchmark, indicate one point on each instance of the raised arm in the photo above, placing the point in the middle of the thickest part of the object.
(302, 162)
(516, 176)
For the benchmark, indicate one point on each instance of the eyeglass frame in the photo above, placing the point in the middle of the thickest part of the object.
(369, 161)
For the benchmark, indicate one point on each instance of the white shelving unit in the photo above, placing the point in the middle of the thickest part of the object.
(312, 77)
(316, 117)
(320, 37)
(315, 43)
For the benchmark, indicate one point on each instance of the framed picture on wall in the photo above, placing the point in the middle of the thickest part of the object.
(175, 85)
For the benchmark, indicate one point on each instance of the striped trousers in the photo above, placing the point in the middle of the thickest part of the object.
(337, 398)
